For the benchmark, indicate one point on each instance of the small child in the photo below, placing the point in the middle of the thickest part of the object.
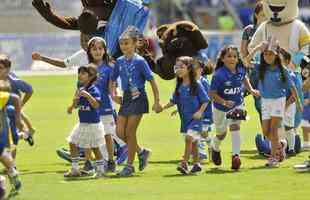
(191, 100)
(89, 132)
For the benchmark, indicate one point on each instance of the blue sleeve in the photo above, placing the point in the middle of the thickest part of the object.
(115, 71)
(289, 81)
(96, 94)
(146, 70)
(202, 94)
(21, 85)
(173, 99)
(215, 82)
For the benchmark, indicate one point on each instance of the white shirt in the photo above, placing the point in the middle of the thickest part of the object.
(79, 58)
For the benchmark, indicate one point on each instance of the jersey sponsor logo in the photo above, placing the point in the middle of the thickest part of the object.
(85, 108)
(228, 83)
(232, 91)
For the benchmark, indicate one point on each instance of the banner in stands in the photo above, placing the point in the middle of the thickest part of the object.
(20, 46)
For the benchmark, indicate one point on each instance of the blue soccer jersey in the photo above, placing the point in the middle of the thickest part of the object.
(88, 114)
(18, 85)
(207, 118)
(306, 112)
(272, 87)
(5, 99)
(189, 104)
(102, 83)
(228, 85)
(133, 72)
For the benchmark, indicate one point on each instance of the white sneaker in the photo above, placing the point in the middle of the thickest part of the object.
(304, 167)
(306, 147)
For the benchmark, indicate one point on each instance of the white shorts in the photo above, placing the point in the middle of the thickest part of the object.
(194, 134)
(289, 116)
(87, 135)
(108, 124)
(273, 108)
(305, 123)
(206, 128)
(221, 122)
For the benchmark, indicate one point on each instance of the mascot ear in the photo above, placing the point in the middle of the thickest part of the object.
(88, 22)
(161, 30)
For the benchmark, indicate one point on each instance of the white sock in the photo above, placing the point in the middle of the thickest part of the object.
(202, 147)
(100, 165)
(290, 136)
(118, 140)
(12, 172)
(104, 151)
(236, 142)
(306, 144)
(216, 144)
(75, 163)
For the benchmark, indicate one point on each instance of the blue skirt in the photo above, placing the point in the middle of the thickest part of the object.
(137, 106)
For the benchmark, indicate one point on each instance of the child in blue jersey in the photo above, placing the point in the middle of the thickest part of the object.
(98, 55)
(133, 71)
(274, 82)
(19, 86)
(89, 132)
(203, 68)
(226, 91)
(5, 156)
(191, 100)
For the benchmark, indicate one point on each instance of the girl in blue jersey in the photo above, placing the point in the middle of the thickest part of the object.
(226, 91)
(191, 100)
(274, 82)
(98, 55)
(89, 132)
(203, 68)
(133, 71)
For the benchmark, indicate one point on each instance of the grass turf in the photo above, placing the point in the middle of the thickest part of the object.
(42, 171)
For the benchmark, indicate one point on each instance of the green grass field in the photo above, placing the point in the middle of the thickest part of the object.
(42, 171)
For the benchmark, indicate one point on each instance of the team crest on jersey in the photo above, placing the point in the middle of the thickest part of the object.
(228, 83)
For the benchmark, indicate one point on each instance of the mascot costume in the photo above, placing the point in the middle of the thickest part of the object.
(104, 18)
(293, 36)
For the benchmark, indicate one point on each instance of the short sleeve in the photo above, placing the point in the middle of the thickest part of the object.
(146, 70)
(20, 85)
(79, 58)
(202, 94)
(173, 98)
(115, 71)
(215, 82)
(289, 81)
(94, 92)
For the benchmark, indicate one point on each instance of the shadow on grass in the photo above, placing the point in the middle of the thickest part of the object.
(165, 162)
(28, 172)
(253, 151)
(178, 175)
(217, 170)
(256, 157)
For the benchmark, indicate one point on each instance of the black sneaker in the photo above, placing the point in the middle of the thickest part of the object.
(88, 168)
(111, 166)
(291, 153)
(196, 168)
(30, 140)
(183, 168)
(216, 157)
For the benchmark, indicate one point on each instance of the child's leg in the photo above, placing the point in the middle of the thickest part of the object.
(121, 127)
(290, 137)
(235, 138)
(131, 131)
(266, 128)
(275, 142)
(195, 152)
(188, 148)
(27, 121)
(75, 156)
(99, 160)
(306, 137)
(109, 145)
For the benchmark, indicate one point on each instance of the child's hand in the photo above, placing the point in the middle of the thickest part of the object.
(255, 93)
(229, 104)
(84, 93)
(117, 99)
(36, 56)
(157, 107)
(197, 115)
(263, 45)
(173, 113)
(70, 109)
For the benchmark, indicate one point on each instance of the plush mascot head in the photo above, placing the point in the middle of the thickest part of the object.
(181, 38)
(281, 11)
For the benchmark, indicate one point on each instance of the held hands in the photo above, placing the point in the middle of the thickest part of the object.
(84, 93)
(157, 108)
(173, 113)
(70, 109)
(255, 93)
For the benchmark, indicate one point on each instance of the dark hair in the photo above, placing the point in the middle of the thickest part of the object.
(87, 22)
(207, 68)
(4, 60)
(263, 67)
(91, 70)
(189, 62)
(257, 10)
(286, 55)
(105, 57)
(223, 52)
